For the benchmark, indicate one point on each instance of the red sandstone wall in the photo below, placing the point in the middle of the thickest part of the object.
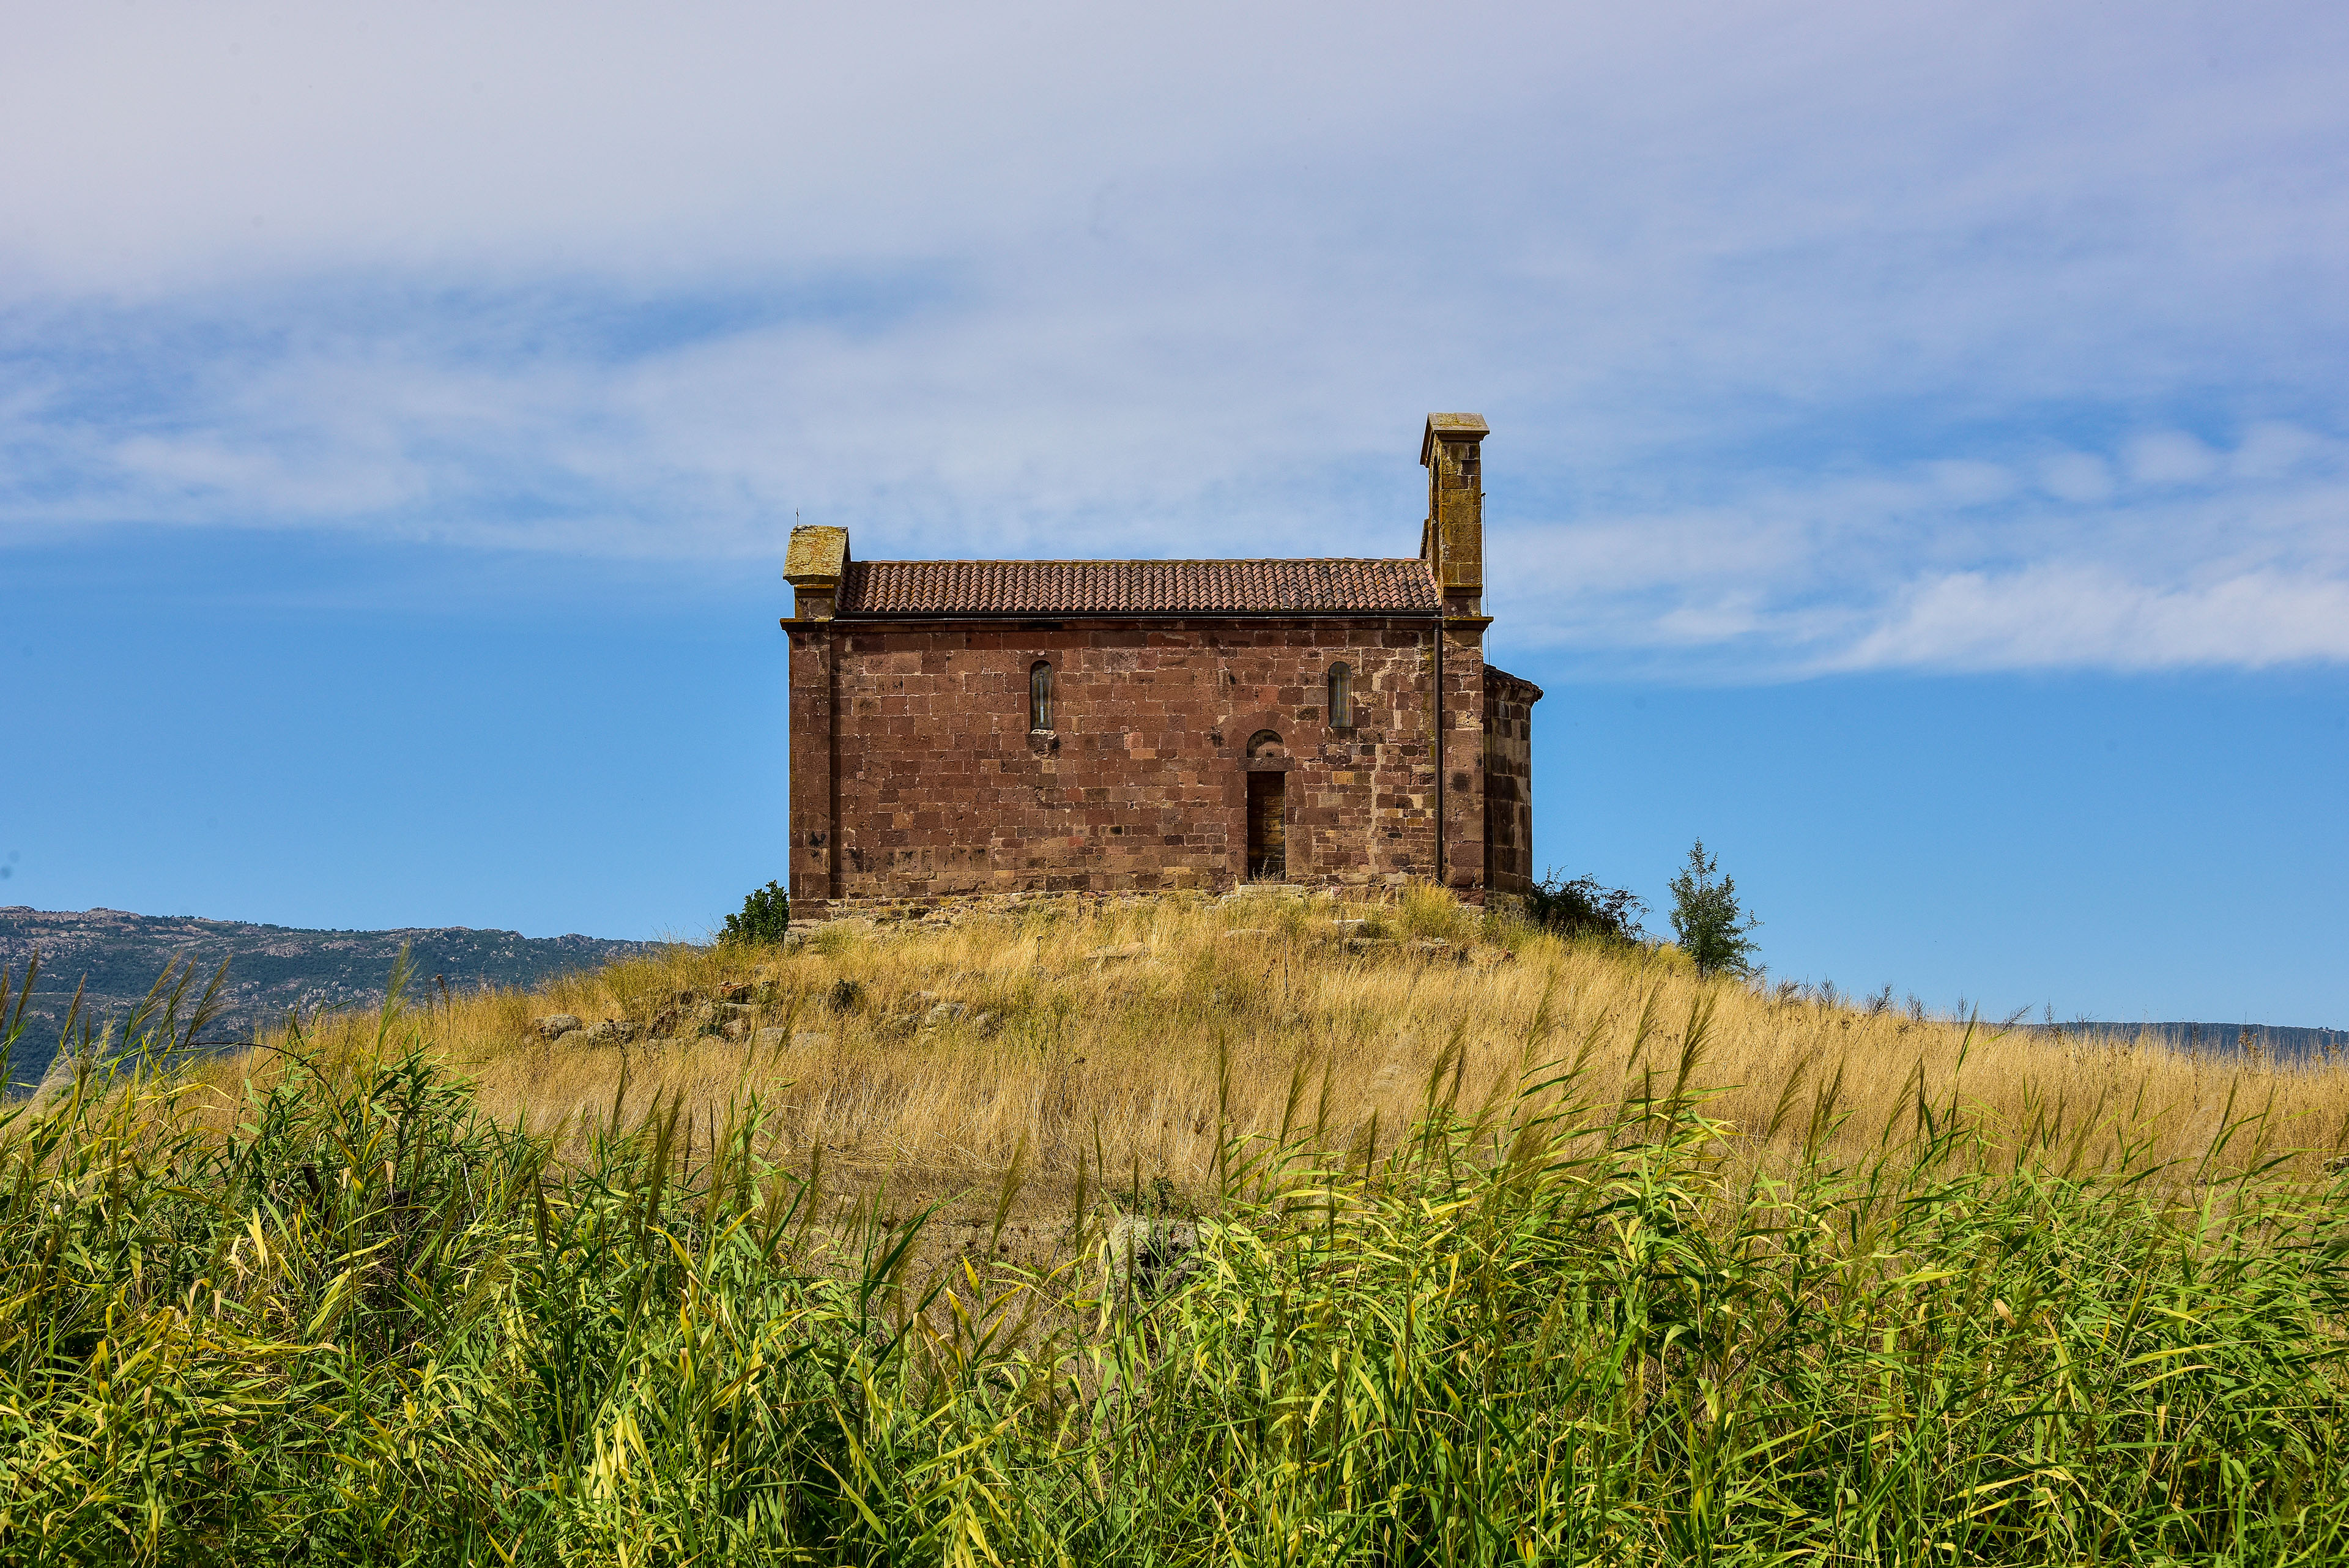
(931, 784)
(1464, 759)
(812, 803)
(1508, 781)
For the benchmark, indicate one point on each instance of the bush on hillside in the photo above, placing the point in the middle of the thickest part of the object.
(766, 916)
(1583, 908)
(1709, 927)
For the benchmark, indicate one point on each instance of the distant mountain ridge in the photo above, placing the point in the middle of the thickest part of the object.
(272, 970)
(2280, 1042)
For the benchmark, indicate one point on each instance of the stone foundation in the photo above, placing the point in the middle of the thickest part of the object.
(946, 908)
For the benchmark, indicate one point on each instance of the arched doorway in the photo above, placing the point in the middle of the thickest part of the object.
(1267, 809)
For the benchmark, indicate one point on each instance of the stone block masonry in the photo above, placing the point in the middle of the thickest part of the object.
(1140, 782)
(1508, 781)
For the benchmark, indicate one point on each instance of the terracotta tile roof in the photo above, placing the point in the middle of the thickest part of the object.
(884, 589)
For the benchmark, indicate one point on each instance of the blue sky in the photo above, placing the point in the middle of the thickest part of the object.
(1919, 461)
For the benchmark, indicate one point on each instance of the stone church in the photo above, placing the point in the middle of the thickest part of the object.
(975, 727)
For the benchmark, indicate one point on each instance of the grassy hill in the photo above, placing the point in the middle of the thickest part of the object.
(1181, 1231)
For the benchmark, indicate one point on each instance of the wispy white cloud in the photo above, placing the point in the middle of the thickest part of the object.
(2239, 557)
(2062, 614)
(1814, 336)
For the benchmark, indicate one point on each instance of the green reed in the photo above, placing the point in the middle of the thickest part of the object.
(367, 1324)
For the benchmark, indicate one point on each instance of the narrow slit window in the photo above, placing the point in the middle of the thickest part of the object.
(1342, 697)
(1039, 695)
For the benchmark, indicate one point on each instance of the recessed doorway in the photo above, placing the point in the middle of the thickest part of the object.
(1267, 825)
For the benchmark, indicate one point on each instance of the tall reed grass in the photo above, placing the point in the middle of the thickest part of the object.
(1562, 1297)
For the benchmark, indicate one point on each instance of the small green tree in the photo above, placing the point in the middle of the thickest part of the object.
(1706, 920)
(766, 916)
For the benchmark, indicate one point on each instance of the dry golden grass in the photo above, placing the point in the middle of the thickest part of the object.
(1130, 1065)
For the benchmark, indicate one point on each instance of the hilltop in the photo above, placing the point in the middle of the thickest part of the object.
(934, 1052)
(273, 970)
